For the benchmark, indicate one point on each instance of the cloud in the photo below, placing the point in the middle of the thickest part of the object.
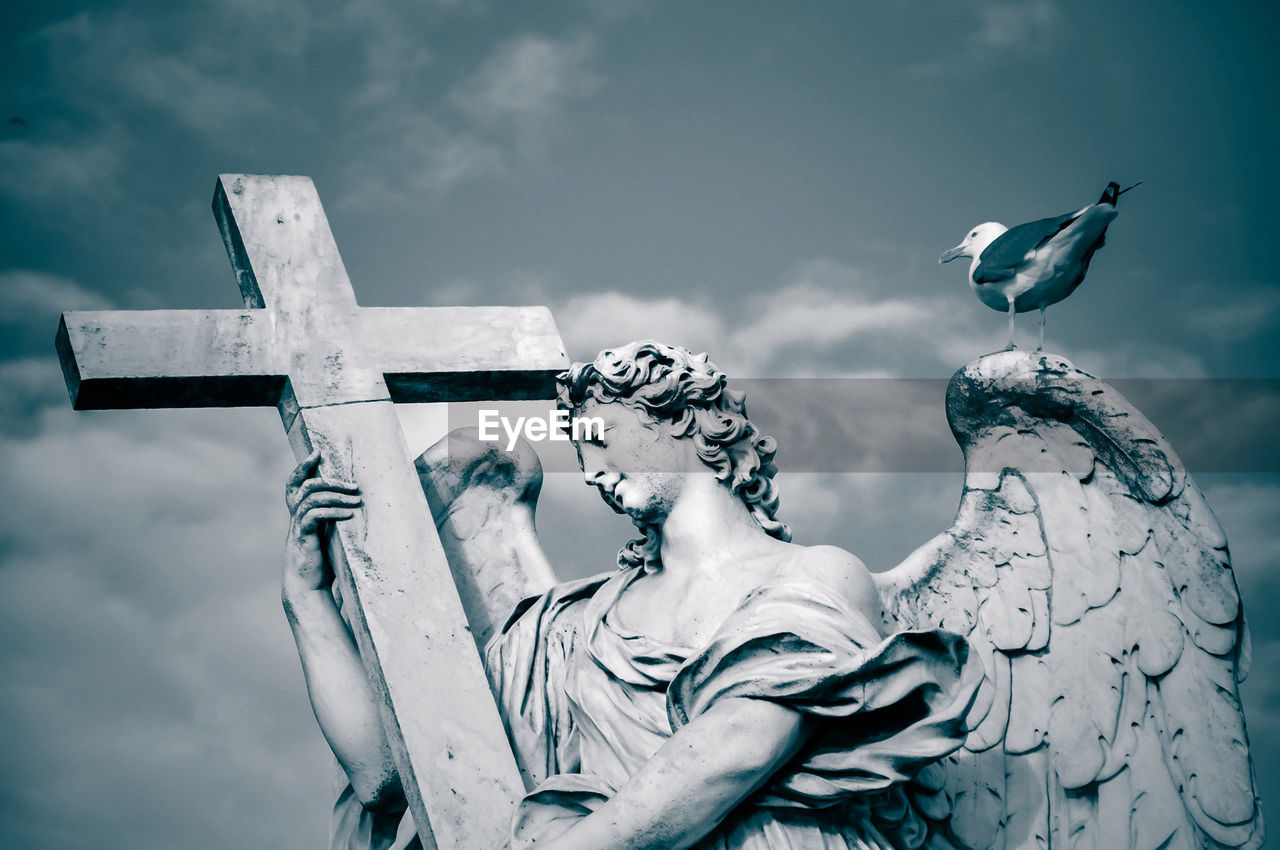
(1134, 359)
(880, 517)
(510, 107)
(591, 323)
(1247, 506)
(107, 84)
(822, 303)
(395, 51)
(40, 169)
(152, 692)
(417, 156)
(997, 30)
(1250, 310)
(24, 293)
(523, 90)
(27, 386)
(141, 638)
(359, 73)
(237, 76)
(823, 318)
(1018, 24)
(529, 79)
(134, 58)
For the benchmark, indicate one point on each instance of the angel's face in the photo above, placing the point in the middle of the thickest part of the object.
(635, 462)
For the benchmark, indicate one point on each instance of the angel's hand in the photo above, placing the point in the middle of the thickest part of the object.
(314, 503)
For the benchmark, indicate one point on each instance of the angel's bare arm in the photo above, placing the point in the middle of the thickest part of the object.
(340, 695)
(695, 779)
(712, 764)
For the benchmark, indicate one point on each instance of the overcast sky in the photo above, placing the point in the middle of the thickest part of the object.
(768, 182)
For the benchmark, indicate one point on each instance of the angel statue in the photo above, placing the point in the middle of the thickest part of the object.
(1058, 669)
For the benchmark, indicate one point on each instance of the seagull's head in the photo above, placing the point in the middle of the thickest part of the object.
(976, 242)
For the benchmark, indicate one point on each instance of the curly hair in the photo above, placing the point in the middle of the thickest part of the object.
(690, 394)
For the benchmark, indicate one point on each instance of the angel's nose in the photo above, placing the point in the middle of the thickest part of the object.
(599, 475)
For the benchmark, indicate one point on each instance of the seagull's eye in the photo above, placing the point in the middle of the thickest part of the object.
(974, 233)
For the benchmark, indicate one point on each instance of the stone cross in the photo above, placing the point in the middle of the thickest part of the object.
(334, 370)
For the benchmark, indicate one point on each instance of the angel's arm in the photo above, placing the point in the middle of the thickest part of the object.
(695, 779)
(725, 753)
(344, 705)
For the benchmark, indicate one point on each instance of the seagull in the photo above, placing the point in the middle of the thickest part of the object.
(1036, 264)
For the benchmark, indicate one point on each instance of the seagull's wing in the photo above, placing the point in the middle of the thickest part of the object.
(1094, 582)
(1011, 249)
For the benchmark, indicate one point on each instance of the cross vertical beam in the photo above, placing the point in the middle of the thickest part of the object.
(334, 369)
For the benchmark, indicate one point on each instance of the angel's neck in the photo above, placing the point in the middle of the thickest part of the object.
(708, 527)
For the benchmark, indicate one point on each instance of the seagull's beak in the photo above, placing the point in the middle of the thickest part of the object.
(958, 251)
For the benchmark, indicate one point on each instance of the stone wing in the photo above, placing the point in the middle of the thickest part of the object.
(1093, 580)
(483, 500)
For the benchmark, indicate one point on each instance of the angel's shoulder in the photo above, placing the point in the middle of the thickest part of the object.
(836, 570)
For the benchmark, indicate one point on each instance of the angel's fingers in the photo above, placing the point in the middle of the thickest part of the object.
(327, 499)
(296, 495)
(303, 470)
(314, 516)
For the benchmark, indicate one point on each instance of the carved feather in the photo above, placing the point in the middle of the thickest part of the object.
(1095, 583)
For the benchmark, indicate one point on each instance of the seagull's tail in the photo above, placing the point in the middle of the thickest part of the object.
(1112, 193)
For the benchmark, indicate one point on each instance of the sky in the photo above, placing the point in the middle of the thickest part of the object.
(771, 183)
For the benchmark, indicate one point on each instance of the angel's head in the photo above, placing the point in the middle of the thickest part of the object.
(667, 414)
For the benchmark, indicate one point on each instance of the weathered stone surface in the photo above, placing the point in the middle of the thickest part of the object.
(483, 500)
(1094, 583)
(333, 369)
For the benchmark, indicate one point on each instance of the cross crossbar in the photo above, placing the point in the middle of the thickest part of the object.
(334, 370)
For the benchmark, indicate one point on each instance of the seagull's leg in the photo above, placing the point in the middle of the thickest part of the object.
(1010, 346)
(1040, 347)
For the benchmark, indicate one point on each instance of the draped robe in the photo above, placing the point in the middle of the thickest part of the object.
(587, 702)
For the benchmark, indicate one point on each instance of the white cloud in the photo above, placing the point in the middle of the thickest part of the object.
(395, 53)
(529, 79)
(141, 637)
(1024, 24)
(1131, 359)
(824, 318)
(28, 385)
(26, 294)
(880, 517)
(805, 314)
(512, 103)
(223, 73)
(133, 57)
(68, 168)
(997, 31)
(417, 155)
(591, 323)
(1251, 309)
(1247, 507)
(455, 158)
